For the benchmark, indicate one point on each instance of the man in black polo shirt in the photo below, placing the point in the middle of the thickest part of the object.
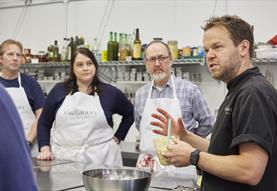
(242, 152)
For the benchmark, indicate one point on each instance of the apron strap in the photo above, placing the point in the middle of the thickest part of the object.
(173, 87)
(19, 79)
(150, 91)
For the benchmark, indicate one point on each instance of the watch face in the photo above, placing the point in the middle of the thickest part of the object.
(194, 157)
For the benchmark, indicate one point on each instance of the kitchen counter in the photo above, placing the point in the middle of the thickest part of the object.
(62, 176)
(46, 164)
(128, 151)
(58, 175)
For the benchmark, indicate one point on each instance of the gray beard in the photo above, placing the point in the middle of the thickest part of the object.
(159, 77)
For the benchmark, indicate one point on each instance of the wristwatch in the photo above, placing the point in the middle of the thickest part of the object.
(194, 157)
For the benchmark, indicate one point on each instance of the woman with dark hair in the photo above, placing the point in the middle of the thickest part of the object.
(78, 114)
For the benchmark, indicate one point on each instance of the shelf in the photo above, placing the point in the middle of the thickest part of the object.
(120, 63)
(141, 62)
(46, 64)
(197, 61)
(256, 61)
(116, 82)
(49, 81)
(111, 63)
(131, 82)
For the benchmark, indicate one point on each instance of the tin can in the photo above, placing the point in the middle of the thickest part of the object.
(187, 51)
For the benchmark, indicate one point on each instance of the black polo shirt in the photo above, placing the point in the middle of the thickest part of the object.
(248, 114)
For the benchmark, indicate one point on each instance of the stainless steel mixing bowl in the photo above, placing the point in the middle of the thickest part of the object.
(116, 179)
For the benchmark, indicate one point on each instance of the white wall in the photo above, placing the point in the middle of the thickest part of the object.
(170, 19)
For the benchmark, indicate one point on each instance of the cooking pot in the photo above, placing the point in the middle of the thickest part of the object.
(116, 179)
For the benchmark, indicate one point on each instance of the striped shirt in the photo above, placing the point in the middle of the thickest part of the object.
(195, 112)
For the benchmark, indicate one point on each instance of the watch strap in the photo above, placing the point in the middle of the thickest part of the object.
(194, 157)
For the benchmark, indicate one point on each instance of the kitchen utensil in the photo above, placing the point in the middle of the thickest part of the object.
(178, 188)
(169, 129)
(183, 188)
(116, 179)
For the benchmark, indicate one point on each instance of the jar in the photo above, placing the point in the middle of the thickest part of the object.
(187, 51)
(104, 56)
(194, 51)
(173, 46)
(42, 56)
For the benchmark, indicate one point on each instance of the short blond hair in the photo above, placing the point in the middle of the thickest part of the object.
(238, 28)
(9, 42)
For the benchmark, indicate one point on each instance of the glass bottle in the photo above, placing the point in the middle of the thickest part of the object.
(137, 47)
(56, 51)
(81, 42)
(95, 50)
(122, 48)
(115, 47)
(110, 48)
(70, 48)
(129, 44)
(94, 45)
(64, 52)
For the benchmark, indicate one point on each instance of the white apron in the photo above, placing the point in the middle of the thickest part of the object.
(172, 106)
(24, 109)
(81, 132)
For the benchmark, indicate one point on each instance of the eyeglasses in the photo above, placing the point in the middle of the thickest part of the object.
(153, 60)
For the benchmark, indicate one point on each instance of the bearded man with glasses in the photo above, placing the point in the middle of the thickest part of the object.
(179, 96)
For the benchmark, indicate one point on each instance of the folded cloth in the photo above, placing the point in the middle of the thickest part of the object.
(145, 161)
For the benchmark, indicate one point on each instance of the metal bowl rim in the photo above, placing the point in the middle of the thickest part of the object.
(148, 173)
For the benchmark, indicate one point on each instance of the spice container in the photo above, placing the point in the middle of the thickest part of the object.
(187, 51)
(173, 46)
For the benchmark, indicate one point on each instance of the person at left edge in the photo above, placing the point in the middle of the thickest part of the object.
(15, 163)
(79, 113)
(25, 91)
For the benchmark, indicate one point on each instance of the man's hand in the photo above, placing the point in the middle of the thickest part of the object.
(179, 153)
(163, 117)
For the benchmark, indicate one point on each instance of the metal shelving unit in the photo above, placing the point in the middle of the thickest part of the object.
(110, 63)
(255, 61)
(110, 71)
(46, 65)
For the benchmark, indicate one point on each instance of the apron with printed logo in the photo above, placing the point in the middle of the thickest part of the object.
(148, 158)
(24, 109)
(81, 132)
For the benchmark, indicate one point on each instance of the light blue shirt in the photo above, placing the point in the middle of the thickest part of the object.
(195, 112)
